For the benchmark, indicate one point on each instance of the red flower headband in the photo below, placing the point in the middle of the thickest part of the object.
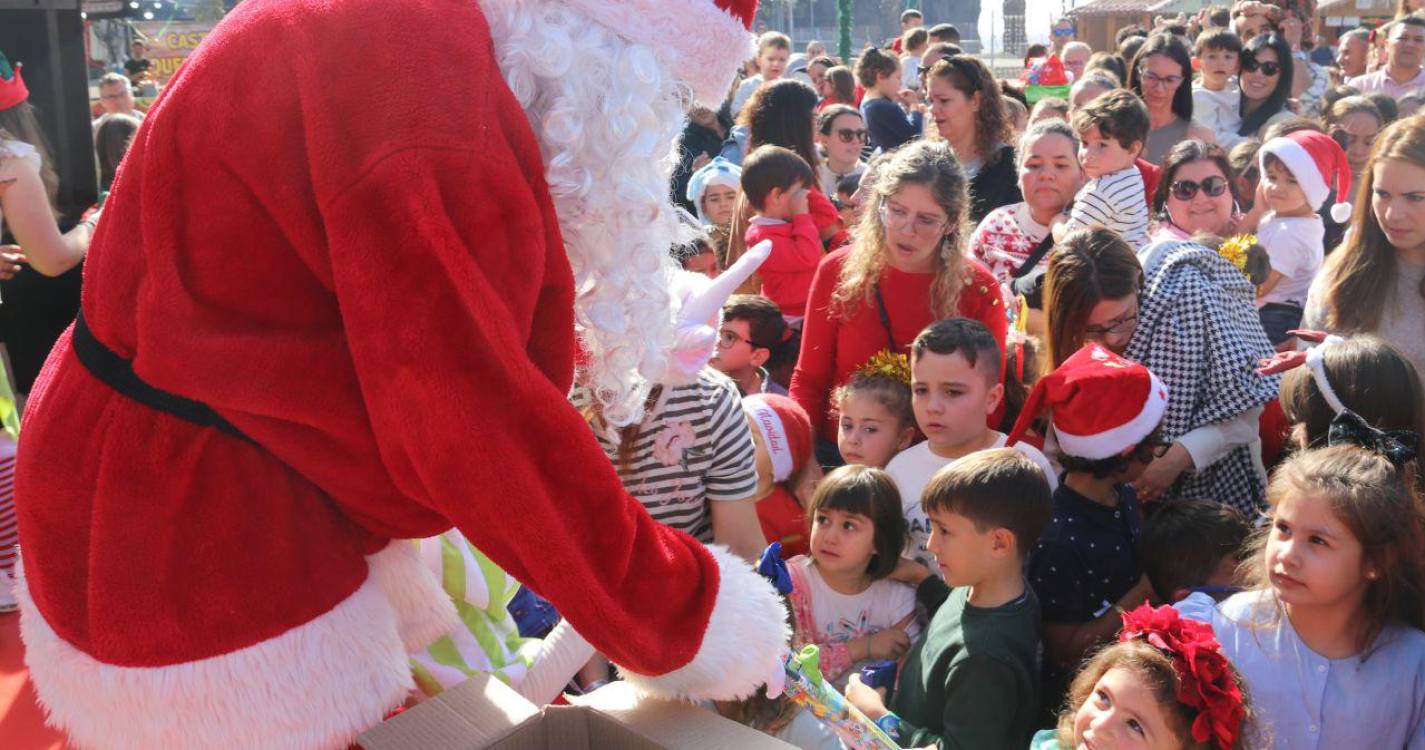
(1205, 677)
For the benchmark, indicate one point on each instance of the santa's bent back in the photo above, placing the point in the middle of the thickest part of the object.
(332, 304)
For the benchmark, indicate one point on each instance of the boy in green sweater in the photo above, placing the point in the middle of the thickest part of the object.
(972, 681)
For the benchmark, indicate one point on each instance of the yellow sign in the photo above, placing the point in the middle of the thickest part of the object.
(170, 43)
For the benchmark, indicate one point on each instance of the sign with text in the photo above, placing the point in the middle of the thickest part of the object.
(170, 43)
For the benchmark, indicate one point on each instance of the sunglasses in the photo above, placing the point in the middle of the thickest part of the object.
(1186, 190)
(1267, 68)
(850, 135)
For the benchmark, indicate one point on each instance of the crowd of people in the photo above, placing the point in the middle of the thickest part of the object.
(1078, 412)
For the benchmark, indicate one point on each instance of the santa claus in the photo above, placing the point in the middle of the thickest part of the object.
(333, 303)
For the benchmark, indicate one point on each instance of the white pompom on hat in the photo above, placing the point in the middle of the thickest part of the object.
(1317, 162)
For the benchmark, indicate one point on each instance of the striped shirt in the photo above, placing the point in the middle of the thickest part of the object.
(693, 446)
(1115, 201)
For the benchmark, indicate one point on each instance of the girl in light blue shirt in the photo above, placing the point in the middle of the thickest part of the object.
(1328, 638)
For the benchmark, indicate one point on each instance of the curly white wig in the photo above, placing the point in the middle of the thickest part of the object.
(606, 114)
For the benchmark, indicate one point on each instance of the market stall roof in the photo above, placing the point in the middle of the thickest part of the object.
(1119, 7)
(1369, 8)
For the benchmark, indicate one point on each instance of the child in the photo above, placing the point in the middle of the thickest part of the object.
(781, 431)
(713, 191)
(774, 51)
(877, 421)
(1018, 115)
(840, 597)
(776, 181)
(1112, 129)
(699, 256)
(973, 680)
(752, 331)
(1049, 108)
(955, 385)
(1298, 170)
(1192, 547)
(889, 125)
(846, 206)
(1216, 100)
(1243, 158)
(1166, 683)
(1328, 636)
(1104, 413)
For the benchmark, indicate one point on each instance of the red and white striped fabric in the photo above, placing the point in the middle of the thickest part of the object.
(9, 533)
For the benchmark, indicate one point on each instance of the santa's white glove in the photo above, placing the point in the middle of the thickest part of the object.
(777, 679)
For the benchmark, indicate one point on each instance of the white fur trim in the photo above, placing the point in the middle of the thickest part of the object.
(702, 44)
(1341, 212)
(314, 687)
(774, 436)
(1316, 364)
(1114, 441)
(743, 646)
(1298, 161)
(424, 612)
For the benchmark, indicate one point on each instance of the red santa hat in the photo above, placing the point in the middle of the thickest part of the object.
(12, 85)
(1101, 404)
(698, 40)
(785, 428)
(1317, 162)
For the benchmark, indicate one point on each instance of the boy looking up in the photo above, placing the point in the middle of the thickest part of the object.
(955, 386)
(972, 679)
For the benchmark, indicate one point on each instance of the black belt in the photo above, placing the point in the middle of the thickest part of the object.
(118, 373)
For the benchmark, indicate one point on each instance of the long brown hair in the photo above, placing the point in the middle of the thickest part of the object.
(18, 123)
(1360, 275)
(781, 113)
(843, 84)
(1087, 267)
(969, 76)
(1371, 378)
(1369, 497)
(928, 163)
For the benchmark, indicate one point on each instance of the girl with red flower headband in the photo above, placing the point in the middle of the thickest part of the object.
(1165, 684)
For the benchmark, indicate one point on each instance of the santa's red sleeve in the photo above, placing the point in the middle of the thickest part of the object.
(468, 424)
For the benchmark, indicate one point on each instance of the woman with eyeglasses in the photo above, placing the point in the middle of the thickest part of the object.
(906, 269)
(841, 134)
(1189, 316)
(1265, 81)
(969, 113)
(1161, 75)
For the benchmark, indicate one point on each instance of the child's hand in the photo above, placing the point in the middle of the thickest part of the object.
(910, 571)
(868, 699)
(1141, 592)
(891, 643)
(800, 202)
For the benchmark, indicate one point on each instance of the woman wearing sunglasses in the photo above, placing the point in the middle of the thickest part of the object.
(1265, 82)
(841, 134)
(1195, 194)
(1161, 75)
(1187, 314)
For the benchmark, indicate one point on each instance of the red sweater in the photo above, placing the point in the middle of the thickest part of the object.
(832, 348)
(788, 271)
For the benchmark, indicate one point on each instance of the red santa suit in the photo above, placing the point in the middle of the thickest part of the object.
(329, 306)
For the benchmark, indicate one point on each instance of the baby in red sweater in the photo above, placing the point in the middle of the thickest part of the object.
(776, 182)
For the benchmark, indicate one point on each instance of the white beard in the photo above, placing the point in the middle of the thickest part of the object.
(606, 115)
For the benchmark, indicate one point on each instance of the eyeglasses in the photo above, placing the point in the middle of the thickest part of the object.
(1123, 327)
(727, 339)
(895, 216)
(1153, 79)
(1186, 190)
(850, 135)
(1268, 69)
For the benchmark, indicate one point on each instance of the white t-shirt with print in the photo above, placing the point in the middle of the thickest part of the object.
(843, 617)
(912, 469)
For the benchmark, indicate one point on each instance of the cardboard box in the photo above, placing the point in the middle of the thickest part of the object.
(485, 714)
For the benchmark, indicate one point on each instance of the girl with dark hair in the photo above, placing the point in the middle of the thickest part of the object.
(1265, 82)
(1189, 315)
(1161, 75)
(837, 87)
(969, 113)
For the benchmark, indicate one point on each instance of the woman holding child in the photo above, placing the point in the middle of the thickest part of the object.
(1188, 314)
(906, 270)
